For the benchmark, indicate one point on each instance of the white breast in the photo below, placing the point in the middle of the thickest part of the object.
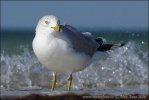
(57, 55)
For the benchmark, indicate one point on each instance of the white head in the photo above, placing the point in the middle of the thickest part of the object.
(48, 24)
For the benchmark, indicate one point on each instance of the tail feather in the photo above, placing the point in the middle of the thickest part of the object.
(106, 47)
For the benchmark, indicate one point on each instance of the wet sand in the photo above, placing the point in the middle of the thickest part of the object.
(71, 96)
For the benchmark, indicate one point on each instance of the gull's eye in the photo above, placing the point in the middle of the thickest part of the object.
(46, 22)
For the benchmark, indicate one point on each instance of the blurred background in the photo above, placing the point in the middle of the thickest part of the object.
(96, 17)
(90, 14)
(116, 21)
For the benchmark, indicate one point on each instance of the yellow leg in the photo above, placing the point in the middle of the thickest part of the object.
(53, 82)
(69, 82)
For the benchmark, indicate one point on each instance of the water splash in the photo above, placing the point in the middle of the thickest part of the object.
(126, 66)
(21, 71)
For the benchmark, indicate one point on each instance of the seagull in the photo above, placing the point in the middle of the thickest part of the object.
(62, 48)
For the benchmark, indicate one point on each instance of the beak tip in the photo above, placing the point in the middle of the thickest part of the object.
(57, 28)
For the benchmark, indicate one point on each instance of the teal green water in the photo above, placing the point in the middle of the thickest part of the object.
(13, 40)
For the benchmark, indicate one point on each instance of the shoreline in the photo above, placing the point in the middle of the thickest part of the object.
(72, 96)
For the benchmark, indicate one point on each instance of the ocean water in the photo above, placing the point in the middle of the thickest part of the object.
(123, 68)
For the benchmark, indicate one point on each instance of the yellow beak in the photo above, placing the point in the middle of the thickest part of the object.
(57, 28)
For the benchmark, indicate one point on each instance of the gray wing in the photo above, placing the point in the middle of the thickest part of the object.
(86, 34)
(71, 28)
(80, 42)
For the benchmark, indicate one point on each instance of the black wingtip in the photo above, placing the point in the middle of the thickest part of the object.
(106, 47)
(122, 44)
(99, 40)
